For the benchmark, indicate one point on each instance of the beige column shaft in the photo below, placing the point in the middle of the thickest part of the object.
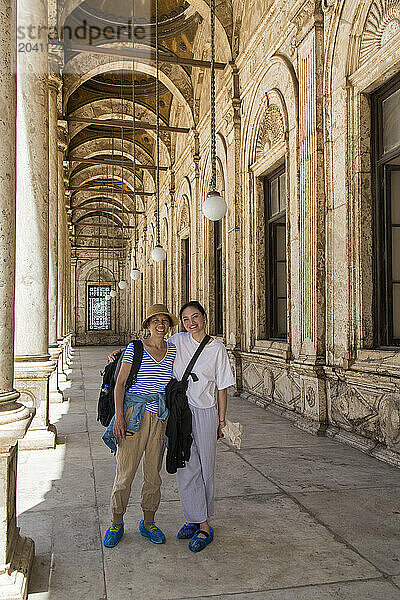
(61, 232)
(33, 367)
(62, 249)
(54, 90)
(16, 552)
(54, 349)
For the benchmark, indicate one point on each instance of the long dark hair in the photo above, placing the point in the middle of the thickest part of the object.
(193, 304)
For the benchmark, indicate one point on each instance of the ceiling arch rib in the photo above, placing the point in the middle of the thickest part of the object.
(112, 145)
(100, 110)
(115, 219)
(93, 139)
(85, 173)
(84, 67)
(114, 201)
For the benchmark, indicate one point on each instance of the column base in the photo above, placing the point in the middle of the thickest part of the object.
(32, 381)
(56, 395)
(62, 365)
(39, 439)
(14, 580)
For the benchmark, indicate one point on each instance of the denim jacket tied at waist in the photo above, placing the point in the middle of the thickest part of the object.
(138, 401)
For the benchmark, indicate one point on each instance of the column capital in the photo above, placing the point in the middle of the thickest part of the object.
(62, 135)
(55, 82)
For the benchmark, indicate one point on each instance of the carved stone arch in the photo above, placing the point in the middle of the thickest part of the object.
(222, 167)
(272, 123)
(183, 216)
(381, 26)
(106, 275)
(86, 270)
(277, 87)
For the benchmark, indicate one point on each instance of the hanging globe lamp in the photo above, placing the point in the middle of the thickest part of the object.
(113, 293)
(122, 285)
(135, 274)
(214, 206)
(158, 254)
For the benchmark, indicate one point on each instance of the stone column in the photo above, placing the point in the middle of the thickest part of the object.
(62, 146)
(32, 361)
(54, 349)
(16, 552)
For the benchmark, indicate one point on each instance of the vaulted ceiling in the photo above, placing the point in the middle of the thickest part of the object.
(99, 87)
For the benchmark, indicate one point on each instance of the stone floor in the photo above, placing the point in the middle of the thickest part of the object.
(297, 517)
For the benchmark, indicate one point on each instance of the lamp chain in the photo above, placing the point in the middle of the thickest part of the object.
(157, 128)
(134, 139)
(213, 183)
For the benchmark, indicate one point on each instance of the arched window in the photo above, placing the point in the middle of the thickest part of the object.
(185, 275)
(275, 253)
(219, 261)
(386, 125)
(218, 278)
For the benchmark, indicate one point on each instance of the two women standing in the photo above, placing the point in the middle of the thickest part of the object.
(207, 399)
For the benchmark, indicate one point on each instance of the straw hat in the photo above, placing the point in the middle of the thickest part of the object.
(159, 309)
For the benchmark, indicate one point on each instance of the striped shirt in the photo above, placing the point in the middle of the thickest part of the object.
(153, 376)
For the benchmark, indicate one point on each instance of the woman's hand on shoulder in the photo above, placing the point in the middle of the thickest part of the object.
(111, 357)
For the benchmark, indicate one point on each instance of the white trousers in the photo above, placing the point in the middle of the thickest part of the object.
(196, 479)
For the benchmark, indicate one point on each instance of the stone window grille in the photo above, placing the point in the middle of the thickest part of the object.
(275, 250)
(99, 309)
(386, 128)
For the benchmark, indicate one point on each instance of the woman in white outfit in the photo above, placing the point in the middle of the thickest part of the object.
(207, 398)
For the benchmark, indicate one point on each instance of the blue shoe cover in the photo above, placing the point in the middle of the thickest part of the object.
(187, 531)
(152, 532)
(197, 544)
(113, 535)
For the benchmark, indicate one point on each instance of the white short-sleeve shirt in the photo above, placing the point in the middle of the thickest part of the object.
(212, 368)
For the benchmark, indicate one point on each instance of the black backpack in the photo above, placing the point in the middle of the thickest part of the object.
(105, 406)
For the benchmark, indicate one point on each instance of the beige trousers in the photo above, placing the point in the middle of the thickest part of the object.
(150, 441)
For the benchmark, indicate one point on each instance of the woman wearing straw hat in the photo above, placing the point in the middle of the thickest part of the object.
(139, 426)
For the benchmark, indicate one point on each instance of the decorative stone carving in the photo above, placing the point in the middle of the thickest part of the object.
(310, 397)
(287, 392)
(382, 24)
(184, 220)
(269, 384)
(352, 409)
(389, 419)
(272, 130)
(252, 378)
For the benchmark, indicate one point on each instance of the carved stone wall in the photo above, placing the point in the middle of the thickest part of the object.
(297, 95)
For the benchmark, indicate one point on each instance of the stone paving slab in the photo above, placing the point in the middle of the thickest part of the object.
(354, 590)
(297, 517)
(322, 468)
(367, 519)
(280, 435)
(73, 575)
(292, 550)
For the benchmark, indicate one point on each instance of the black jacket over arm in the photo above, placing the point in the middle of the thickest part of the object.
(179, 425)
